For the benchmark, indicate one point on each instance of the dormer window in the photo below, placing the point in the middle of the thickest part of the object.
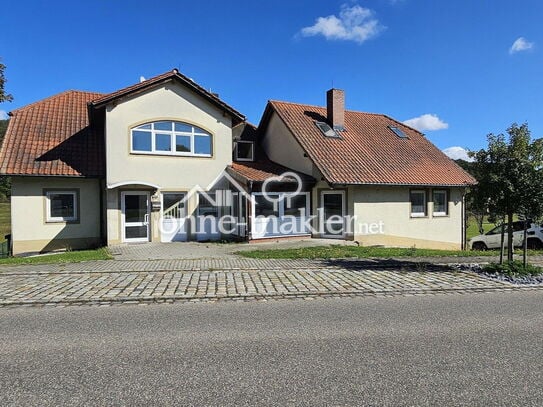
(245, 151)
(171, 138)
(326, 130)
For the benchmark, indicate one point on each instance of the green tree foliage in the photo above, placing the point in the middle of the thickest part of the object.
(510, 177)
(4, 97)
(3, 128)
(5, 184)
(475, 208)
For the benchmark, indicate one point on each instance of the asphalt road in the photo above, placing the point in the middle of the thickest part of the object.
(476, 349)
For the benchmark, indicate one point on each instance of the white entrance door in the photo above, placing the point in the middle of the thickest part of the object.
(333, 214)
(135, 216)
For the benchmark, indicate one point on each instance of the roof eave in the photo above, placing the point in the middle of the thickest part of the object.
(15, 174)
(402, 184)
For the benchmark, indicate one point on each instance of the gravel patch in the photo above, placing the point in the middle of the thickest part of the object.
(478, 268)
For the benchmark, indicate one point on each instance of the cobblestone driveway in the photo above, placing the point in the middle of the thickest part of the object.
(109, 282)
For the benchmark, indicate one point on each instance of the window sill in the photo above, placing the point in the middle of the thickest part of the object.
(64, 221)
(440, 215)
(418, 216)
(157, 154)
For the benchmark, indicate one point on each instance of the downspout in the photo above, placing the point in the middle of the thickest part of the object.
(248, 208)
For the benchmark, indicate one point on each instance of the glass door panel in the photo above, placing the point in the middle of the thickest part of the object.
(333, 211)
(135, 216)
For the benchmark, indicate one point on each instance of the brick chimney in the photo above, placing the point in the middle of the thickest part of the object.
(335, 106)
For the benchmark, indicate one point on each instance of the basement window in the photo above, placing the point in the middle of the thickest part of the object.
(397, 131)
(327, 130)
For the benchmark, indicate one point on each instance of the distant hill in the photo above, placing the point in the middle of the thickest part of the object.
(3, 128)
(467, 166)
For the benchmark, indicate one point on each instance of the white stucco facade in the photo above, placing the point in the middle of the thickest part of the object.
(30, 230)
(152, 174)
(161, 173)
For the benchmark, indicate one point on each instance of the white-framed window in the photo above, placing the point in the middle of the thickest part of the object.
(61, 206)
(171, 138)
(245, 151)
(441, 202)
(281, 204)
(417, 198)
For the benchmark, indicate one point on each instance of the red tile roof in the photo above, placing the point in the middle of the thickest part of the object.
(368, 152)
(261, 170)
(168, 76)
(53, 137)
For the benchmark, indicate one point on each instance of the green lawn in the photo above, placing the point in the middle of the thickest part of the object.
(473, 228)
(66, 257)
(338, 252)
(5, 220)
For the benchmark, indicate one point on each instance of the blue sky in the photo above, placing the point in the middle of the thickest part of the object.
(451, 66)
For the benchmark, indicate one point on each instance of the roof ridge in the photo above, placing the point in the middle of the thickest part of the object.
(127, 88)
(172, 74)
(49, 98)
(323, 107)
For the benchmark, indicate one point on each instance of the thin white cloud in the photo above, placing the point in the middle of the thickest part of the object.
(3, 115)
(457, 153)
(354, 23)
(520, 45)
(427, 122)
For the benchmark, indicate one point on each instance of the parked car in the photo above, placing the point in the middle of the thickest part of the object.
(492, 238)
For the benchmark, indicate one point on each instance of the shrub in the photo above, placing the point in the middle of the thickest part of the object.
(513, 268)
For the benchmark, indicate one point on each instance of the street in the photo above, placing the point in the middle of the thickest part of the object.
(470, 349)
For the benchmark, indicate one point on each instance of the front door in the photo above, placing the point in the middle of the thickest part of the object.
(135, 216)
(332, 214)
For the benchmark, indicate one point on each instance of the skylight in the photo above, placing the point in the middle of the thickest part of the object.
(397, 131)
(327, 130)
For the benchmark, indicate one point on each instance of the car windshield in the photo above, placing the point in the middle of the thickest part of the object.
(495, 231)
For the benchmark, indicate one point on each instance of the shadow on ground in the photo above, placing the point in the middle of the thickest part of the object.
(397, 265)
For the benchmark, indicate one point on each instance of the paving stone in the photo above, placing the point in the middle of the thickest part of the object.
(128, 281)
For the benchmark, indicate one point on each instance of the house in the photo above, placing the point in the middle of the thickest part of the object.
(166, 160)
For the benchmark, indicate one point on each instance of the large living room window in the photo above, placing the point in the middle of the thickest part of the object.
(61, 206)
(171, 138)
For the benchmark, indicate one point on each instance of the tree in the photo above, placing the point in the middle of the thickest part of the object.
(510, 178)
(489, 169)
(5, 184)
(474, 208)
(4, 97)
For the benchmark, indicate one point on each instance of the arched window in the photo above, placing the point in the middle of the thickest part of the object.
(171, 138)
